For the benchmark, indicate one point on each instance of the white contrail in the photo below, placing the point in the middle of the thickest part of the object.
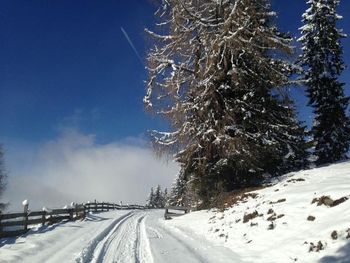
(131, 44)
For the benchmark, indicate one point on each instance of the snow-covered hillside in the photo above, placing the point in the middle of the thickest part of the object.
(305, 217)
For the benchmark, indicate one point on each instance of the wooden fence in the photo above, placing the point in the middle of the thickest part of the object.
(170, 214)
(14, 224)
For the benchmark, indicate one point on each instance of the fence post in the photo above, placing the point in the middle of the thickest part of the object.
(43, 218)
(25, 204)
(70, 214)
(166, 213)
(87, 208)
(108, 204)
(95, 206)
(84, 210)
(76, 211)
(0, 226)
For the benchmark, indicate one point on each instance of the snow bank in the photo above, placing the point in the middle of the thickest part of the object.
(302, 218)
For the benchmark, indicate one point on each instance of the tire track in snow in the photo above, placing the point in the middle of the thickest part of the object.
(135, 245)
(121, 248)
(113, 242)
(138, 240)
(88, 252)
(127, 243)
(142, 249)
(145, 252)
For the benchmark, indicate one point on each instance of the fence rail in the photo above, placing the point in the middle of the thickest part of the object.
(169, 215)
(19, 222)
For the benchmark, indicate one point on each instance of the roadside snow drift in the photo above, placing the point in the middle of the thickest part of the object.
(305, 217)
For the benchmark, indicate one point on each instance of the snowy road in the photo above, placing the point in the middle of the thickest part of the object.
(117, 236)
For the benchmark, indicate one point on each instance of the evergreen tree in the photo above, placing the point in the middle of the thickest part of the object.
(158, 197)
(165, 197)
(295, 153)
(214, 76)
(150, 201)
(177, 193)
(322, 59)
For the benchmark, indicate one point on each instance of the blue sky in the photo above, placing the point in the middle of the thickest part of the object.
(67, 63)
(71, 89)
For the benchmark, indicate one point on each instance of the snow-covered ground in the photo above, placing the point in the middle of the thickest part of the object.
(116, 236)
(281, 231)
(287, 222)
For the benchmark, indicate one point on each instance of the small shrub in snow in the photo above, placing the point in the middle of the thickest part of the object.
(296, 180)
(334, 235)
(316, 248)
(278, 201)
(225, 200)
(328, 201)
(339, 201)
(272, 217)
(271, 226)
(250, 216)
(311, 218)
(323, 200)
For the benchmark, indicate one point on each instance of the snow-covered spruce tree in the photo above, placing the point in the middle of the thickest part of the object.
(322, 59)
(165, 197)
(150, 201)
(178, 192)
(295, 154)
(158, 198)
(213, 75)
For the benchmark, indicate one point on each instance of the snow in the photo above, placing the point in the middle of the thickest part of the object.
(288, 238)
(63, 242)
(209, 235)
(115, 236)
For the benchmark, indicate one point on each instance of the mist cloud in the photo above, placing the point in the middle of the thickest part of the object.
(73, 167)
